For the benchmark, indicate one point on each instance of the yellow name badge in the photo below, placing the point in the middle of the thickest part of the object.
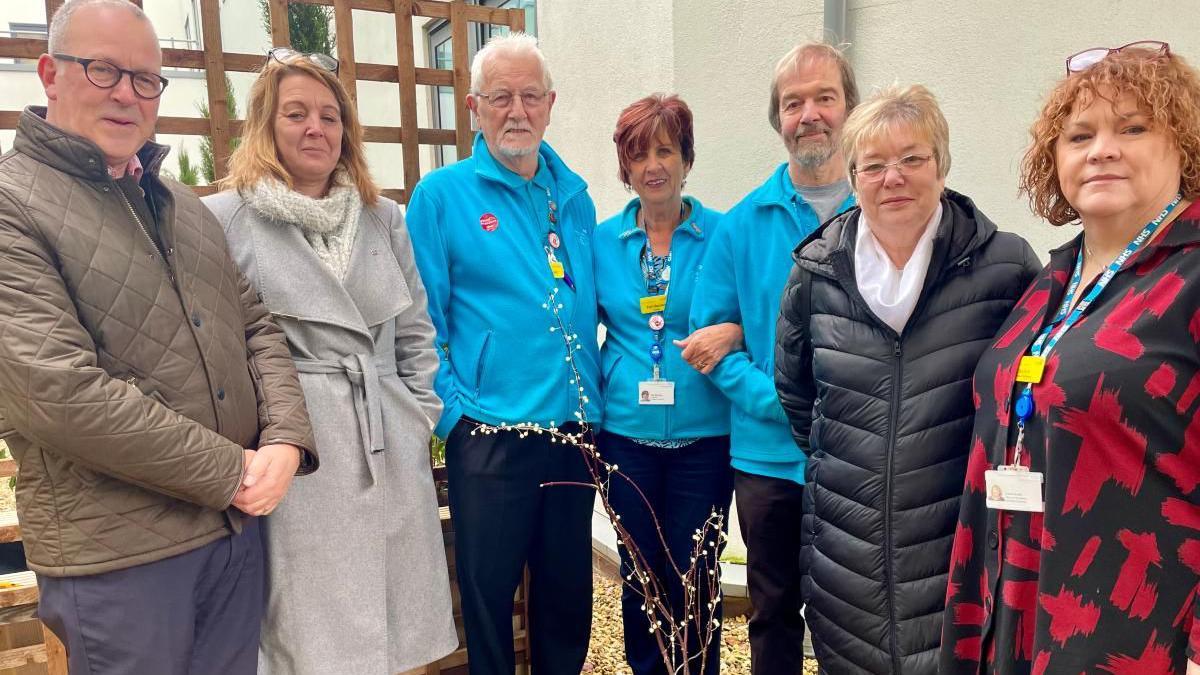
(1030, 369)
(556, 268)
(653, 303)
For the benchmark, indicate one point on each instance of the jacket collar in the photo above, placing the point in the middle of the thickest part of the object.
(486, 166)
(777, 190)
(71, 154)
(962, 231)
(695, 225)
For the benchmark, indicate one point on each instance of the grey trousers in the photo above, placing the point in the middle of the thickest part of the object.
(197, 613)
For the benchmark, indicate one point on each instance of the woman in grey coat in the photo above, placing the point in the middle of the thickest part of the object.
(357, 579)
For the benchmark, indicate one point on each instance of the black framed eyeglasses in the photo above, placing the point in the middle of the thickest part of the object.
(287, 54)
(1089, 57)
(106, 75)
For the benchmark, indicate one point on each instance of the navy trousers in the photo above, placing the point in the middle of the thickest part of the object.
(197, 613)
(503, 520)
(683, 486)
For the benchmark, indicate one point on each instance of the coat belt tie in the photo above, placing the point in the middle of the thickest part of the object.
(363, 372)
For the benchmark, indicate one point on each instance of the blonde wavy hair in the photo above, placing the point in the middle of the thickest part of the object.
(1164, 87)
(257, 157)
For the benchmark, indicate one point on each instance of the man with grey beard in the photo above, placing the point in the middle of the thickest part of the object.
(742, 281)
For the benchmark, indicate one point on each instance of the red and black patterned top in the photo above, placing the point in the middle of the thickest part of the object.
(1107, 579)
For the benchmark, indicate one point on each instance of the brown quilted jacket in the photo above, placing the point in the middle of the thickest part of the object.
(130, 380)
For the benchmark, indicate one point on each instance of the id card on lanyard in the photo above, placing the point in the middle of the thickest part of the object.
(656, 271)
(1013, 486)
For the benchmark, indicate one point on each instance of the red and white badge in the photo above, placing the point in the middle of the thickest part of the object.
(555, 242)
(489, 222)
(657, 322)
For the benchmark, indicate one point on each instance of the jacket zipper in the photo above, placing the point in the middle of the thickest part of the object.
(146, 233)
(890, 572)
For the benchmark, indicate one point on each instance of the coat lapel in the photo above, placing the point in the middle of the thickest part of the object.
(295, 283)
(374, 280)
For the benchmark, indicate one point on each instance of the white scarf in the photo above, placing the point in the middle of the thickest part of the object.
(892, 293)
(328, 224)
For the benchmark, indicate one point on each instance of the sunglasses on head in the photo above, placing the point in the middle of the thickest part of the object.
(286, 55)
(1090, 57)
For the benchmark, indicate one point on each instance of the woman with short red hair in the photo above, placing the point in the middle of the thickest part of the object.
(665, 425)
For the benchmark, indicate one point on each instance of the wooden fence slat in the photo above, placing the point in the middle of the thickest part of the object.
(214, 74)
(435, 9)
(407, 75)
(280, 35)
(462, 77)
(344, 26)
(51, 7)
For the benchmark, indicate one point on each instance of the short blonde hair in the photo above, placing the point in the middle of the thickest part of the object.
(1165, 88)
(256, 156)
(913, 107)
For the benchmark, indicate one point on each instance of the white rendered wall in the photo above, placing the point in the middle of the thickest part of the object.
(989, 63)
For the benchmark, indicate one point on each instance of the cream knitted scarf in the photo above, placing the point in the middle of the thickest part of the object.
(329, 224)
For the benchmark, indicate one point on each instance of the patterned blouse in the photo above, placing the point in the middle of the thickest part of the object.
(1106, 580)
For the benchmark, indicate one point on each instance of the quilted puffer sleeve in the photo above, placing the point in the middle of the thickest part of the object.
(793, 357)
(282, 416)
(53, 393)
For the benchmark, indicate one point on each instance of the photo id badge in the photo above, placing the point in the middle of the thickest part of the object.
(1014, 489)
(656, 392)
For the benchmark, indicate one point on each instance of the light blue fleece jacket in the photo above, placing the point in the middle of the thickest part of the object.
(479, 232)
(741, 281)
(700, 409)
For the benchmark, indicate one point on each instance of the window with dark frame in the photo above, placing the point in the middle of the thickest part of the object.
(438, 41)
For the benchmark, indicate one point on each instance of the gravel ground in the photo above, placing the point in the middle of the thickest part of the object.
(606, 656)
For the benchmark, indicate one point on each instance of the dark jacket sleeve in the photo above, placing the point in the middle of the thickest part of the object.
(282, 415)
(793, 356)
(1031, 266)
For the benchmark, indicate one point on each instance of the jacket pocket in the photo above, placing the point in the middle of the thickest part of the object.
(609, 373)
(481, 364)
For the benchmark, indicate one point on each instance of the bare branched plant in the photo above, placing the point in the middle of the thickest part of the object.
(674, 627)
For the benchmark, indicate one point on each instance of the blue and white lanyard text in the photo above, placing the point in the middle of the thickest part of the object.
(656, 270)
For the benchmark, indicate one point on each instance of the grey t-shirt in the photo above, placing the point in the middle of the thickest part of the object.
(825, 199)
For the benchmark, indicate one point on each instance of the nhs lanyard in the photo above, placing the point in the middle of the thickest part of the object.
(1032, 366)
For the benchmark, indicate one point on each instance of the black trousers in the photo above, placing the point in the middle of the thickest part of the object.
(769, 513)
(503, 520)
(197, 613)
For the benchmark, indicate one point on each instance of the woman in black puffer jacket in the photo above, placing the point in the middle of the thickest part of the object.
(888, 308)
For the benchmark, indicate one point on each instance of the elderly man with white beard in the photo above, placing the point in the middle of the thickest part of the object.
(741, 281)
(503, 243)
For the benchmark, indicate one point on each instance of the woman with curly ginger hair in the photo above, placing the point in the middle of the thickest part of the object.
(1088, 413)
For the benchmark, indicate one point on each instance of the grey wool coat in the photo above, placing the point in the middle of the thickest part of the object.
(356, 570)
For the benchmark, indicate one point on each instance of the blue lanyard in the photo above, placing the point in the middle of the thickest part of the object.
(1063, 321)
(652, 270)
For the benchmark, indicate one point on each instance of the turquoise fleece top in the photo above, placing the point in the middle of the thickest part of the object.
(742, 280)
(480, 234)
(700, 409)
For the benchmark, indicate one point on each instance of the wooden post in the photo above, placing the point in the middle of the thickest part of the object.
(52, 7)
(406, 72)
(462, 78)
(56, 653)
(281, 36)
(214, 74)
(344, 23)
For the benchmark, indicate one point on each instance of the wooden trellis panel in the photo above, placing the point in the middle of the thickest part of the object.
(216, 62)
